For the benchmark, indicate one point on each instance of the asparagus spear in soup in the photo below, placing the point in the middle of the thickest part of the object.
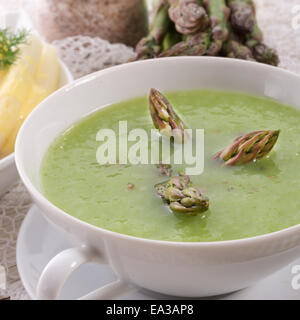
(181, 196)
(165, 169)
(251, 146)
(164, 117)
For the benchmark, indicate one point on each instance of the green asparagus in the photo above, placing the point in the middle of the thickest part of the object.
(165, 169)
(263, 53)
(234, 48)
(193, 45)
(150, 46)
(188, 15)
(179, 194)
(164, 117)
(260, 51)
(252, 146)
(242, 17)
(170, 39)
(218, 14)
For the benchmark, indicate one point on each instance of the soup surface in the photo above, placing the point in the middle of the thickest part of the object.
(245, 201)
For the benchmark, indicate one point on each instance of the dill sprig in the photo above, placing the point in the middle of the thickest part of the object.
(9, 46)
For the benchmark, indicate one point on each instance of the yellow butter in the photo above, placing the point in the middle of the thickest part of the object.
(16, 86)
(46, 81)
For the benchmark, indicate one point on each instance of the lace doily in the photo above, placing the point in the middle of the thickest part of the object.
(13, 207)
(84, 55)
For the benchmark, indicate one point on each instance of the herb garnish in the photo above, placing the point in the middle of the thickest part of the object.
(9, 46)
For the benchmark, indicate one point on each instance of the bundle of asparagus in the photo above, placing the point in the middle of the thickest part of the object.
(206, 27)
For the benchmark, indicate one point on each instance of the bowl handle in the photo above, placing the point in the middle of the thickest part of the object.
(64, 264)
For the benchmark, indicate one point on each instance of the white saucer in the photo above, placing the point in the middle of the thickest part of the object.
(39, 241)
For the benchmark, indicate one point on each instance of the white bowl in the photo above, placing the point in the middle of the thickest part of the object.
(173, 268)
(8, 171)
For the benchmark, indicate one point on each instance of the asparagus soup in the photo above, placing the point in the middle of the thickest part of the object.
(245, 200)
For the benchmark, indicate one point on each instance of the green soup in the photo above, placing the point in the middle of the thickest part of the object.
(245, 201)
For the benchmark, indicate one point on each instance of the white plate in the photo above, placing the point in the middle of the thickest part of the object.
(38, 242)
(8, 171)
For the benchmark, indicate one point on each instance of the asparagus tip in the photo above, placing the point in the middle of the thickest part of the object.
(181, 196)
(164, 117)
(249, 147)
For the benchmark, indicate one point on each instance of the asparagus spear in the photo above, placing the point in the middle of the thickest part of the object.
(170, 39)
(165, 169)
(243, 21)
(263, 53)
(181, 196)
(218, 14)
(256, 33)
(242, 15)
(234, 48)
(237, 50)
(150, 46)
(188, 15)
(193, 45)
(251, 146)
(164, 117)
